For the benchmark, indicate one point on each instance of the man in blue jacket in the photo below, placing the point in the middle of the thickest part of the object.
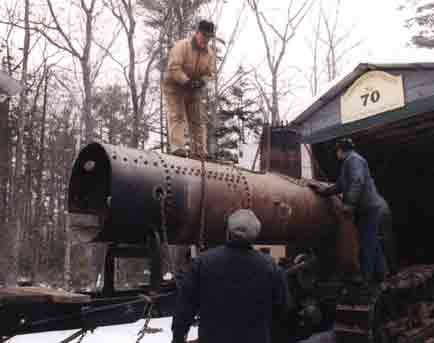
(362, 201)
(235, 290)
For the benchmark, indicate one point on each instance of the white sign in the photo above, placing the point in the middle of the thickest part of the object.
(374, 92)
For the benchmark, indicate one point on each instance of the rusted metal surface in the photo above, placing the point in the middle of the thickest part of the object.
(123, 188)
(280, 150)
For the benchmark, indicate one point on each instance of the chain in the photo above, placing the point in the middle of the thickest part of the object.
(81, 333)
(163, 217)
(201, 242)
(144, 330)
(165, 237)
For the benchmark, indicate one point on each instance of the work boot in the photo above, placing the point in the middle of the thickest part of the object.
(180, 152)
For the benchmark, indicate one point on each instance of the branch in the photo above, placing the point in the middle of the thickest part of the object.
(99, 64)
(71, 49)
(111, 6)
(231, 39)
(68, 89)
(114, 59)
(270, 26)
(254, 6)
(145, 83)
(30, 50)
(233, 80)
(264, 95)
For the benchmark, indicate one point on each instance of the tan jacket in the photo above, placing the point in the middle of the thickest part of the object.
(187, 61)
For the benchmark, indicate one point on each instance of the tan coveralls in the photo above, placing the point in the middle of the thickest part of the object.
(187, 61)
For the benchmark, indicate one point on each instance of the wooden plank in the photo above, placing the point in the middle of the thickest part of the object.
(39, 295)
(17, 296)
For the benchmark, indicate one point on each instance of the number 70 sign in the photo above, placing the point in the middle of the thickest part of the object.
(372, 93)
(372, 97)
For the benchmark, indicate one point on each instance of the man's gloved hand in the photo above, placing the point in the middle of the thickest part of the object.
(195, 84)
(318, 189)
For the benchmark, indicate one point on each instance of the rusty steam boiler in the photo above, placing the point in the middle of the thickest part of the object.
(121, 195)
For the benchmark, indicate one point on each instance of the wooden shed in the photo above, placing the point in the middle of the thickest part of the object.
(388, 110)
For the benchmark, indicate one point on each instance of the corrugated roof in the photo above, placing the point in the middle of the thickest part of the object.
(336, 87)
(8, 85)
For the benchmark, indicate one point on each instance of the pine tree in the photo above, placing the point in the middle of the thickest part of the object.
(421, 22)
(240, 119)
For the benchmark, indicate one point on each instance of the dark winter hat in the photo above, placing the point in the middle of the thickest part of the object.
(243, 225)
(346, 144)
(207, 28)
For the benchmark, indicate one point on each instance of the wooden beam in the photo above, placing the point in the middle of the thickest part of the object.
(39, 295)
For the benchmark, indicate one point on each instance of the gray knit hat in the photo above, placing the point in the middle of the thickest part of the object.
(243, 225)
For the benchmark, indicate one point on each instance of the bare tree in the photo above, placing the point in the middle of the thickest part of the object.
(419, 18)
(330, 42)
(276, 43)
(313, 75)
(338, 44)
(8, 24)
(125, 12)
(58, 36)
(17, 188)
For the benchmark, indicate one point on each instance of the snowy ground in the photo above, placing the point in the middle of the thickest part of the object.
(126, 333)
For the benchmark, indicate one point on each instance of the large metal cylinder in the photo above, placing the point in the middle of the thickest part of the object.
(122, 188)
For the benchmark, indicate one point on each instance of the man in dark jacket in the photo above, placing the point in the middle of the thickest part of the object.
(387, 238)
(362, 201)
(235, 290)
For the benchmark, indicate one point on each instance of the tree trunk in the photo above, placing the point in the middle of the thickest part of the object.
(37, 223)
(132, 77)
(4, 159)
(275, 116)
(5, 232)
(87, 80)
(67, 275)
(87, 102)
(18, 208)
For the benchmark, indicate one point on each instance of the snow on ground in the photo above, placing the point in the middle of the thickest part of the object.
(126, 333)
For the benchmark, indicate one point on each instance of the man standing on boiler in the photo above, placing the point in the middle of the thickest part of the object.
(191, 64)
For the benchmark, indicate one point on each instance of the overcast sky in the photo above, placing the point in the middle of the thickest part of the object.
(377, 23)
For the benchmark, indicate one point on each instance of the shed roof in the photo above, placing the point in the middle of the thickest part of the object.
(340, 84)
